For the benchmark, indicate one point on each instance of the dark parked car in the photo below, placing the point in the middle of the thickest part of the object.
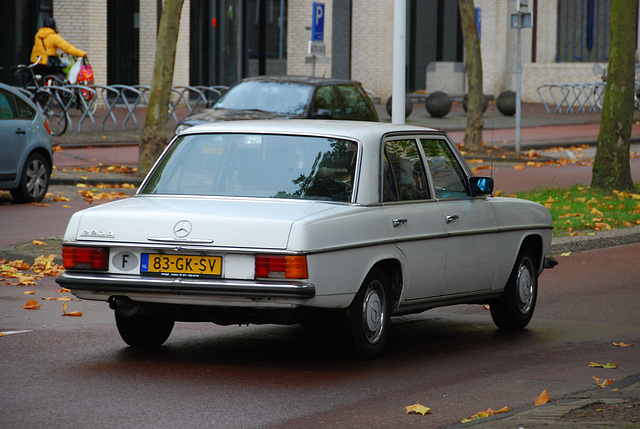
(26, 156)
(288, 97)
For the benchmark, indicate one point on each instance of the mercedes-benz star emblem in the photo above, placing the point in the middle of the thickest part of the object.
(182, 229)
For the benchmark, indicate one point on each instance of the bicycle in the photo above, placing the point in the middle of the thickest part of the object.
(76, 97)
(50, 105)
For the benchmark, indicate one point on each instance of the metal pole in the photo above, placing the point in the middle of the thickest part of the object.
(518, 100)
(399, 59)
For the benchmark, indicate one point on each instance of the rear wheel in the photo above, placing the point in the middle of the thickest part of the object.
(145, 330)
(368, 317)
(53, 111)
(34, 180)
(514, 308)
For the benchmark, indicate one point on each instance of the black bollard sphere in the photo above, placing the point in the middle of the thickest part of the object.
(438, 104)
(408, 106)
(507, 103)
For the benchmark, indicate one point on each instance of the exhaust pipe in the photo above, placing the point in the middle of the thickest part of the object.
(123, 304)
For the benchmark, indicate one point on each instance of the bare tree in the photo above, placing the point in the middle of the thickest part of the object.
(154, 137)
(473, 63)
(611, 168)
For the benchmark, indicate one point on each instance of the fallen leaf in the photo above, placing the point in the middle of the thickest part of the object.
(544, 398)
(25, 280)
(518, 167)
(59, 298)
(486, 413)
(29, 292)
(39, 243)
(418, 409)
(622, 344)
(63, 290)
(565, 254)
(32, 304)
(603, 383)
(70, 314)
(609, 365)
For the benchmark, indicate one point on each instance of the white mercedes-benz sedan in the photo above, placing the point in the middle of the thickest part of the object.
(307, 221)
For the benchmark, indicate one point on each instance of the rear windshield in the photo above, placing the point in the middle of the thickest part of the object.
(256, 165)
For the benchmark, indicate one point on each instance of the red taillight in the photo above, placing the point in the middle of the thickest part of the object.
(93, 258)
(46, 126)
(289, 267)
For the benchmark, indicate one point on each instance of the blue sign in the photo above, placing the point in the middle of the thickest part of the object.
(317, 25)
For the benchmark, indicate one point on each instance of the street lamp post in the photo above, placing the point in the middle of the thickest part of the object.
(399, 59)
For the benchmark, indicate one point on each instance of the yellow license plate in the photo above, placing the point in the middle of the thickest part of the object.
(181, 265)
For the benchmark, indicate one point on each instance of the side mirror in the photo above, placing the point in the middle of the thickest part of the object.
(322, 114)
(481, 185)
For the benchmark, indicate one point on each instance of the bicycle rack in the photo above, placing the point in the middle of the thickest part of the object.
(123, 92)
(87, 106)
(105, 92)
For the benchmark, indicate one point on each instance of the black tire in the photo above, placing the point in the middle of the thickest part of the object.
(53, 111)
(34, 180)
(146, 330)
(367, 322)
(514, 308)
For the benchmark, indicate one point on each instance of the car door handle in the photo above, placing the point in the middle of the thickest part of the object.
(398, 222)
(20, 131)
(451, 218)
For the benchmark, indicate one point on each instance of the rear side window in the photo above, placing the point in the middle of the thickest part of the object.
(404, 174)
(352, 100)
(24, 110)
(6, 105)
(326, 98)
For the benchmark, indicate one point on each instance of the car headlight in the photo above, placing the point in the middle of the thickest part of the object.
(180, 129)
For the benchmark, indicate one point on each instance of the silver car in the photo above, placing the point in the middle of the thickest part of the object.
(26, 157)
(305, 221)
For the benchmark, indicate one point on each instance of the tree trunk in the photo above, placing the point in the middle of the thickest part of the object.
(611, 168)
(473, 63)
(154, 138)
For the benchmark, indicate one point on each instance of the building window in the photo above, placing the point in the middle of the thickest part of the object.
(583, 30)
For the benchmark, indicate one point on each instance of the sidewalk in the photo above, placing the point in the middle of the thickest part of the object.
(615, 406)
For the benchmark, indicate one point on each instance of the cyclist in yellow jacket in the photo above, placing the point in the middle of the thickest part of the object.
(45, 46)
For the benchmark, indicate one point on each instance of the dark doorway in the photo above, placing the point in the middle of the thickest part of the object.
(123, 41)
(434, 34)
(19, 22)
(265, 30)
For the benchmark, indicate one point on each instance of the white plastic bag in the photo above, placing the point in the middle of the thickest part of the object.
(74, 71)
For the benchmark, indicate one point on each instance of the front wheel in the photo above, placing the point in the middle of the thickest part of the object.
(34, 180)
(368, 317)
(514, 308)
(145, 330)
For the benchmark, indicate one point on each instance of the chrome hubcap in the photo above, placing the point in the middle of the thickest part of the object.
(525, 283)
(373, 313)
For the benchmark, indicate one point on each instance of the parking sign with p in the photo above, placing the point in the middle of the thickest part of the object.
(317, 25)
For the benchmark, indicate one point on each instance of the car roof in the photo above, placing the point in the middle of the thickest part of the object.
(308, 80)
(337, 128)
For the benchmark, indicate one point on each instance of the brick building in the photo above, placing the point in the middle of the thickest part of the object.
(222, 41)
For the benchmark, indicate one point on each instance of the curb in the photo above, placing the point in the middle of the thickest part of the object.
(550, 415)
